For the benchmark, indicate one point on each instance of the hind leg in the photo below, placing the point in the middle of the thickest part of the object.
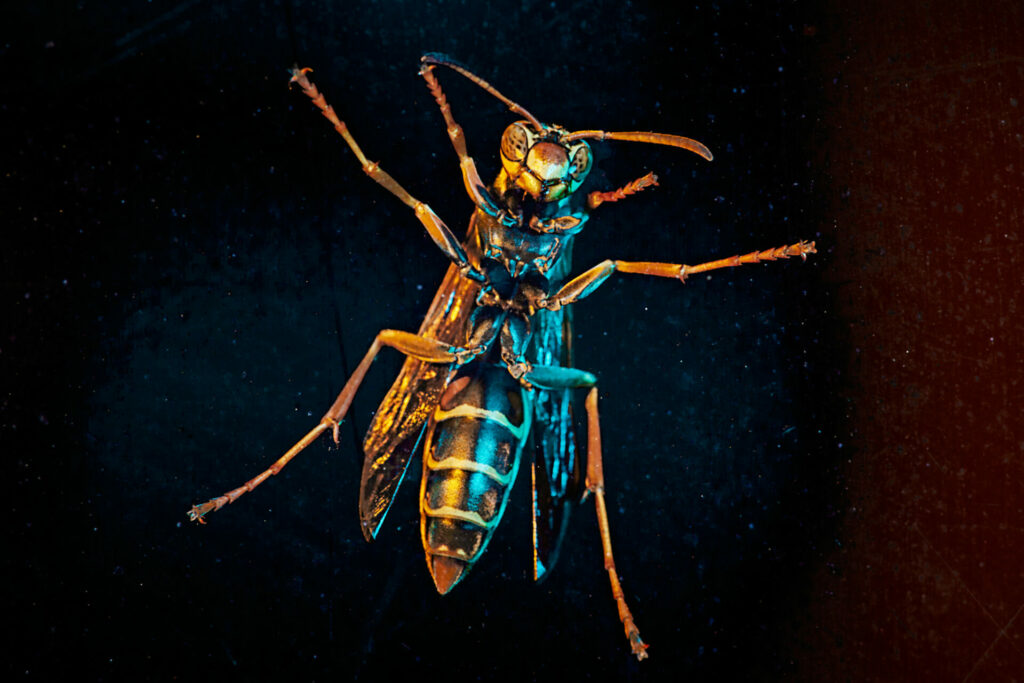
(595, 485)
(412, 345)
(555, 377)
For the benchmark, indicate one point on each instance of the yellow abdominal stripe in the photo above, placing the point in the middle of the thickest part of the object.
(449, 512)
(464, 410)
(453, 463)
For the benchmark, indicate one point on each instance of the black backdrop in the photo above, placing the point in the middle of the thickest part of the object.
(194, 261)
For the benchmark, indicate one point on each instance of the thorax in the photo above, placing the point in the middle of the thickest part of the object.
(539, 239)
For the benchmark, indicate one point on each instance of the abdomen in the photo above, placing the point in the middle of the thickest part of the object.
(470, 461)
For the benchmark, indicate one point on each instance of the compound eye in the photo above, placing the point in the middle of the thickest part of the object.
(515, 142)
(580, 164)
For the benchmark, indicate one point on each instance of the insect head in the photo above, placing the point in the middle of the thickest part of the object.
(543, 163)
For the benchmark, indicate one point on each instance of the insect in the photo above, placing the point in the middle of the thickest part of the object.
(490, 370)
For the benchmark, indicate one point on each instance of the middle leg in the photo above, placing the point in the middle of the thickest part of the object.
(583, 285)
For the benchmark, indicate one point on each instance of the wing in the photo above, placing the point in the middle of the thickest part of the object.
(556, 464)
(399, 422)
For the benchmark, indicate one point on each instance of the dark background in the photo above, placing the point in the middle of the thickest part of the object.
(814, 470)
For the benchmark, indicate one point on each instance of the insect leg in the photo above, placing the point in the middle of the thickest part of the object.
(595, 485)
(412, 345)
(415, 346)
(583, 285)
(556, 377)
(470, 176)
(436, 228)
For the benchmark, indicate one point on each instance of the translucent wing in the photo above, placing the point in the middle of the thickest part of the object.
(556, 468)
(399, 422)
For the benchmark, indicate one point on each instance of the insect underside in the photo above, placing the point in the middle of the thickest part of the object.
(490, 370)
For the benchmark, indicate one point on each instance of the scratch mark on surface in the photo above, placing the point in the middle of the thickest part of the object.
(956, 575)
(149, 26)
(1002, 632)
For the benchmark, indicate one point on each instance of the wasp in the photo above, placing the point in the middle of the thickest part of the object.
(490, 370)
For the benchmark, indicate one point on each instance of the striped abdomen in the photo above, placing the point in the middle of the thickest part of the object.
(470, 461)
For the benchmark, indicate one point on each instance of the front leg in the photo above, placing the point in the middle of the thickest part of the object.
(436, 228)
(584, 285)
(470, 176)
